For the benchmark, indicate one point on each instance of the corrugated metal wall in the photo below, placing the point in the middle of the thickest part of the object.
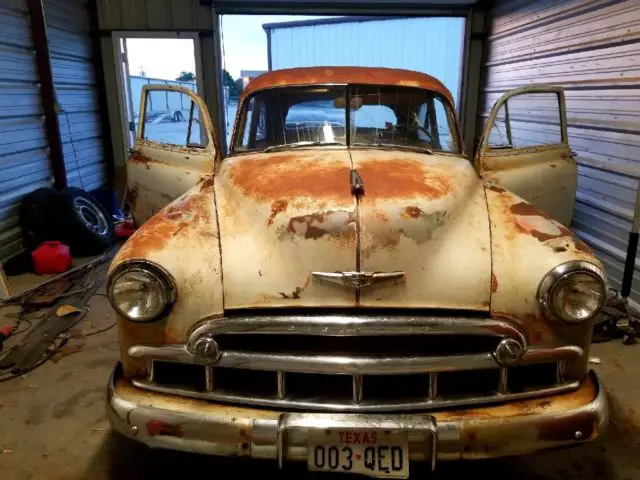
(74, 80)
(24, 164)
(154, 15)
(592, 48)
(430, 45)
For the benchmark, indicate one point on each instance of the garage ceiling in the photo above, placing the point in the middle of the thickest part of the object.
(435, 7)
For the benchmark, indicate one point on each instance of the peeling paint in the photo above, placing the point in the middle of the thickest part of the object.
(277, 207)
(316, 225)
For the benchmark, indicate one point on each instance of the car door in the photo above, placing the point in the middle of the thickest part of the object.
(174, 149)
(525, 149)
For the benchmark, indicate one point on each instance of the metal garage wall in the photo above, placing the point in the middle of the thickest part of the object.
(429, 45)
(592, 48)
(154, 15)
(75, 85)
(24, 164)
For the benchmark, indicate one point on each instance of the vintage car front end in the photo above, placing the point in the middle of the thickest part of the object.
(355, 307)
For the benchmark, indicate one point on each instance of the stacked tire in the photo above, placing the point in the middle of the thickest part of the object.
(71, 216)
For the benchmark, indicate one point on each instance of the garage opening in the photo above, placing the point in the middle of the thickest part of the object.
(168, 60)
(254, 44)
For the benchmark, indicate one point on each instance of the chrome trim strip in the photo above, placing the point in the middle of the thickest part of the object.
(348, 405)
(350, 365)
(347, 325)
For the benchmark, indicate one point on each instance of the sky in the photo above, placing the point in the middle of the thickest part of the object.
(245, 48)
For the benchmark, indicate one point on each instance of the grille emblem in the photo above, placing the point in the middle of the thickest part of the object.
(357, 280)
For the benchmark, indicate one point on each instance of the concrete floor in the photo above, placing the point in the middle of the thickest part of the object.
(52, 426)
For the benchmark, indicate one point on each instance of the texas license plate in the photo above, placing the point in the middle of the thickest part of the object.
(376, 453)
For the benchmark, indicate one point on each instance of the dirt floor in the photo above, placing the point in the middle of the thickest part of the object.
(53, 426)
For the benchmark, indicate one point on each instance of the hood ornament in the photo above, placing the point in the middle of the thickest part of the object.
(357, 280)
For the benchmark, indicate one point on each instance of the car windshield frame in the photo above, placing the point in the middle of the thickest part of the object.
(447, 104)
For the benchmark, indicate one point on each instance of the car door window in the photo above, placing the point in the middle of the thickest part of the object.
(527, 120)
(173, 118)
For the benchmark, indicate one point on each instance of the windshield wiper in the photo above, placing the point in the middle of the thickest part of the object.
(299, 144)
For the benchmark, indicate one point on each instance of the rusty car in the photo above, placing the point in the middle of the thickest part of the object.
(348, 287)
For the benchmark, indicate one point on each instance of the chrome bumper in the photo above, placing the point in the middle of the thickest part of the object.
(167, 421)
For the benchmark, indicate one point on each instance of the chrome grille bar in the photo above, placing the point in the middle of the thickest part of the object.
(282, 392)
(329, 404)
(350, 365)
(208, 379)
(357, 389)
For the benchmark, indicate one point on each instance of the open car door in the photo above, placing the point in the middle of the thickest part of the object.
(524, 148)
(173, 151)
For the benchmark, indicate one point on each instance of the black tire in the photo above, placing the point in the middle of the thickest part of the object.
(83, 223)
(38, 217)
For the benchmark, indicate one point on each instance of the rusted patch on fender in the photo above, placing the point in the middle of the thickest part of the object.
(207, 184)
(189, 216)
(494, 187)
(403, 179)
(316, 225)
(277, 207)
(532, 221)
(494, 283)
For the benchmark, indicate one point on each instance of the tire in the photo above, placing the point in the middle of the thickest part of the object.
(38, 217)
(83, 223)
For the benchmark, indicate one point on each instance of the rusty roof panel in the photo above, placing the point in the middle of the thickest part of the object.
(346, 75)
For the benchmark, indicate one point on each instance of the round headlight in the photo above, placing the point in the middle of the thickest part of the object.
(141, 291)
(573, 292)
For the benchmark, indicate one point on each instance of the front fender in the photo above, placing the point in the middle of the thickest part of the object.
(183, 239)
(526, 244)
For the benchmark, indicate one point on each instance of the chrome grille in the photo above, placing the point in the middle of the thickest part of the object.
(352, 369)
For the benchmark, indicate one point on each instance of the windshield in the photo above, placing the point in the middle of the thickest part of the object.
(394, 117)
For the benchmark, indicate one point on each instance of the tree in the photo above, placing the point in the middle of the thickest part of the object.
(186, 77)
(235, 87)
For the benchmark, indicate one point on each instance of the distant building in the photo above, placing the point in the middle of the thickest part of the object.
(432, 45)
(248, 75)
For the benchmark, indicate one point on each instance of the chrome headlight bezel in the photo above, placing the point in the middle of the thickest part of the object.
(561, 272)
(152, 269)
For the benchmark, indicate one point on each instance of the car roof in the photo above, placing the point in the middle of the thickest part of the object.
(346, 75)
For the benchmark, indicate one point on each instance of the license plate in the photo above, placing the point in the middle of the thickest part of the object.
(375, 453)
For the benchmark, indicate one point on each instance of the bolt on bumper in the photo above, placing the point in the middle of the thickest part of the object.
(515, 428)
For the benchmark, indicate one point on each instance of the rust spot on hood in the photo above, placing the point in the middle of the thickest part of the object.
(277, 207)
(412, 212)
(316, 225)
(494, 283)
(313, 173)
(403, 179)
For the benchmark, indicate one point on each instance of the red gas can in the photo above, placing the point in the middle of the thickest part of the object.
(51, 257)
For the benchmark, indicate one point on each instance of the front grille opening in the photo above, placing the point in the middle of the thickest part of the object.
(179, 375)
(468, 383)
(383, 346)
(319, 386)
(531, 377)
(394, 387)
(238, 381)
